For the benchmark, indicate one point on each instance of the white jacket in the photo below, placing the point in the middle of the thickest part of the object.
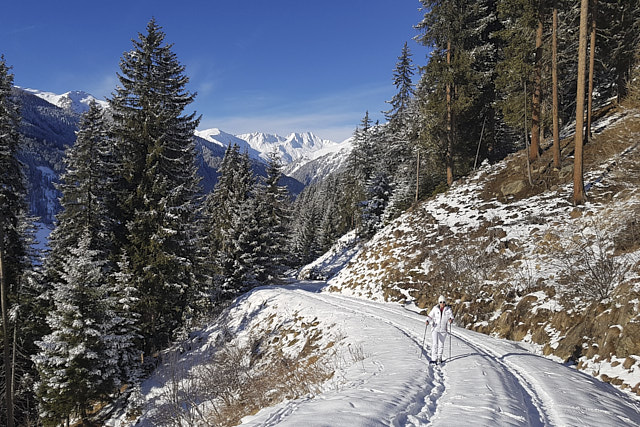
(439, 319)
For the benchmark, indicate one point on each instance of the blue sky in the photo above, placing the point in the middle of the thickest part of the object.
(275, 66)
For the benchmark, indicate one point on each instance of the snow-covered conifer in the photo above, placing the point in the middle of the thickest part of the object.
(71, 361)
(274, 209)
(156, 155)
(14, 259)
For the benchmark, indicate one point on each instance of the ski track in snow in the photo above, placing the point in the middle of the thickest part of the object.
(485, 381)
(534, 408)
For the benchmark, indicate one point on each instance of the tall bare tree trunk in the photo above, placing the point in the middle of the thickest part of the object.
(592, 60)
(554, 79)
(526, 139)
(534, 148)
(579, 196)
(8, 368)
(449, 156)
(417, 174)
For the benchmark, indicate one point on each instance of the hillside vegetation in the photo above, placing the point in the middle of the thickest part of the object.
(519, 261)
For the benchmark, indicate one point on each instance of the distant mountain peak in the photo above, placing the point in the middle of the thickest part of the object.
(295, 146)
(76, 101)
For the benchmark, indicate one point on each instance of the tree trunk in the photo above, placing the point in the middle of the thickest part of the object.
(534, 148)
(554, 78)
(592, 59)
(417, 175)
(526, 139)
(5, 329)
(449, 156)
(578, 178)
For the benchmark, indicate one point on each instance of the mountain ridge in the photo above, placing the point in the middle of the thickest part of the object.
(295, 147)
(50, 122)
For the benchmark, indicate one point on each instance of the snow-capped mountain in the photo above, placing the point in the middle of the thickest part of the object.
(50, 121)
(325, 162)
(295, 147)
(75, 101)
(298, 151)
(224, 139)
(291, 148)
(306, 156)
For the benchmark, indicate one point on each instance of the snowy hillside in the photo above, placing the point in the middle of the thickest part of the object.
(334, 360)
(75, 101)
(521, 262)
(353, 350)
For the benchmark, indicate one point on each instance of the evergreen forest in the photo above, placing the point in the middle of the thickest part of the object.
(141, 254)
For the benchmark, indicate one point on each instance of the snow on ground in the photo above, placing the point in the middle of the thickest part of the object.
(485, 381)
(382, 376)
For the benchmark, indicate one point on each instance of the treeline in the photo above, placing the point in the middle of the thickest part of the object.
(501, 75)
(139, 252)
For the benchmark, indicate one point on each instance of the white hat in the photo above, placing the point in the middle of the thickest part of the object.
(441, 299)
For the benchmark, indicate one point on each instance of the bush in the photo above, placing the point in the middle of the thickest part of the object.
(589, 267)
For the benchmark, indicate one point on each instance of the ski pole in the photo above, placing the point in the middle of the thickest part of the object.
(423, 339)
(449, 340)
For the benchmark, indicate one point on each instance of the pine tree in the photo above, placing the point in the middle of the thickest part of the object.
(156, 153)
(121, 332)
(401, 101)
(13, 249)
(362, 159)
(88, 193)
(244, 255)
(619, 21)
(232, 224)
(457, 85)
(274, 208)
(72, 360)
(78, 269)
(378, 193)
(579, 196)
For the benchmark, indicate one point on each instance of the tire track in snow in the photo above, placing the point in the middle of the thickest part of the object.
(563, 398)
(537, 398)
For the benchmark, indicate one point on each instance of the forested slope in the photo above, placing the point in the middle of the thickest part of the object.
(520, 261)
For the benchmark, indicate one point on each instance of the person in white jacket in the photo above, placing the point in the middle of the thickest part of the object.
(439, 316)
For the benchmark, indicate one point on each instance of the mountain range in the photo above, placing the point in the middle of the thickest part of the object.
(50, 122)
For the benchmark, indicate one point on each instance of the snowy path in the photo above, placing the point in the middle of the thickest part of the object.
(486, 381)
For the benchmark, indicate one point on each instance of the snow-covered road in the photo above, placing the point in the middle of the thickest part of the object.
(486, 381)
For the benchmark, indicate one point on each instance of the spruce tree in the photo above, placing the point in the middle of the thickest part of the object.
(13, 248)
(361, 161)
(120, 328)
(274, 209)
(81, 271)
(233, 229)
(88, 193)
(402, 80)
(619, 24)
(456, 89)
(72, 361)
(378, 193)
(156, 154)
